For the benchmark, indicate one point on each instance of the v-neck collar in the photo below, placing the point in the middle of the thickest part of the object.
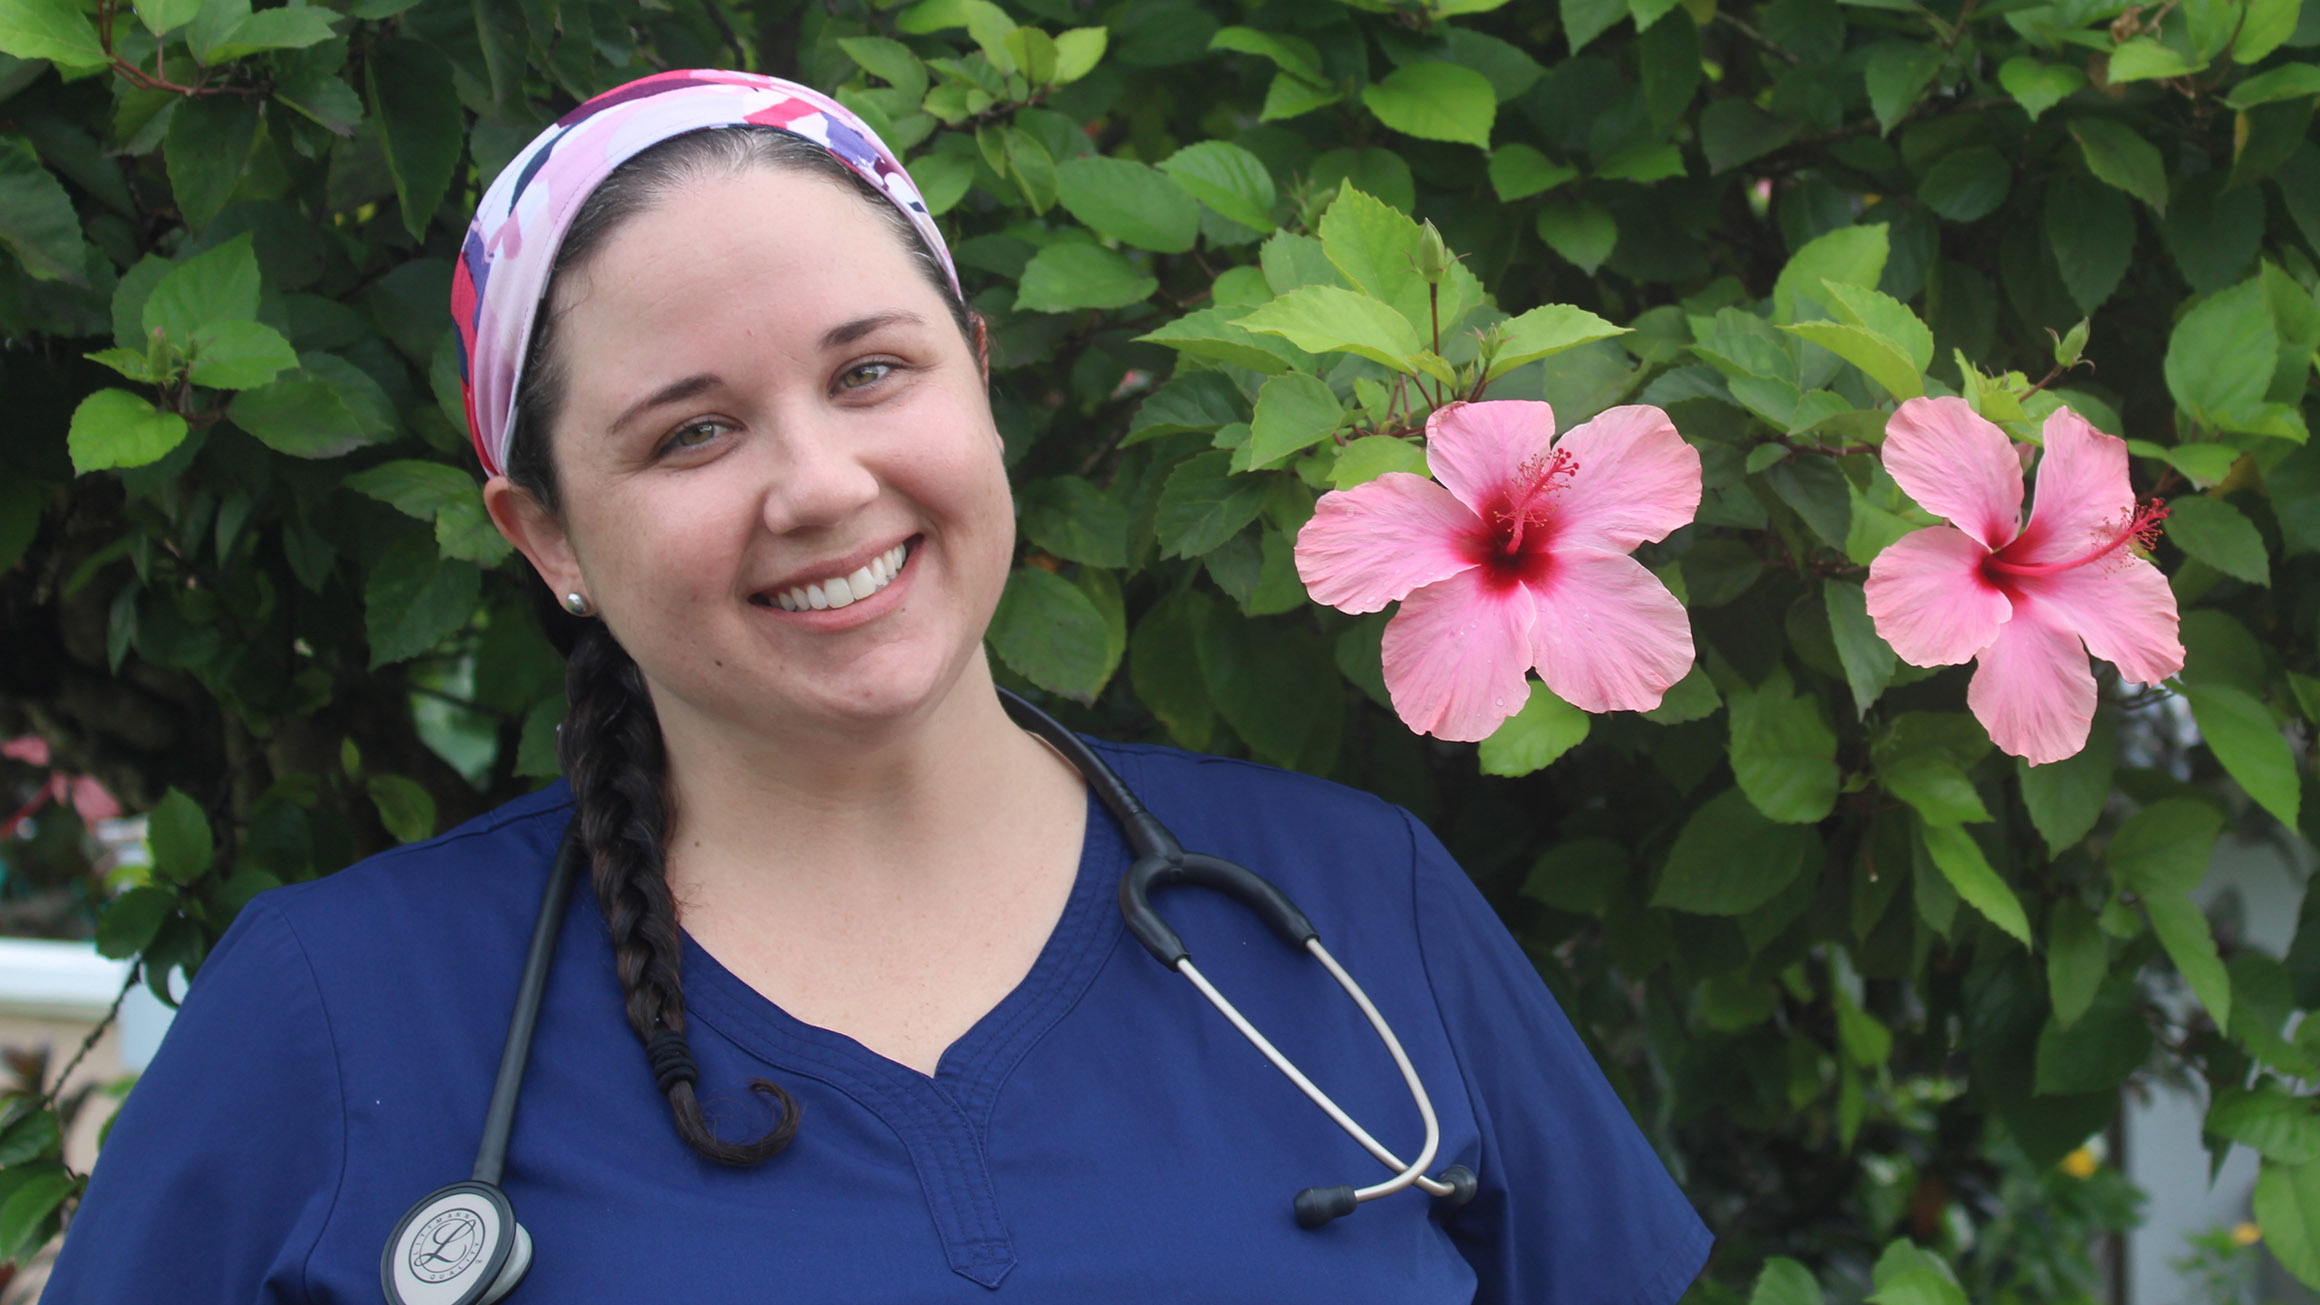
(941, 1119)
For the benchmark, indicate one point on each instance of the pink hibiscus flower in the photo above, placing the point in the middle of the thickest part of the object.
(1518, 558)
(86, 795)
(2027, 603)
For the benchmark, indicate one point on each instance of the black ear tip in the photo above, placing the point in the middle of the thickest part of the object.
(1463, 1185)
(1318, 1205)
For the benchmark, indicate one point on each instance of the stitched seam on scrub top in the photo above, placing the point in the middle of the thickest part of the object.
(338, 1072)
(1661, 1287)
(1426, 966)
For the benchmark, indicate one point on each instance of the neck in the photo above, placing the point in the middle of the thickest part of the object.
(890, 801)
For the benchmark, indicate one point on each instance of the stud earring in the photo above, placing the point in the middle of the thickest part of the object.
(578, 605)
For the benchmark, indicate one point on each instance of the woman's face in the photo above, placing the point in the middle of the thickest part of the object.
(766, 395)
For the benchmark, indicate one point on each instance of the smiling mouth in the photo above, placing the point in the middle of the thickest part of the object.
(840, 590)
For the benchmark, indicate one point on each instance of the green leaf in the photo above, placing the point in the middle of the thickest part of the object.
(1531, 739)
(1728, 859)
(1545, 331)
(416, 598)
(1077, 52)
(1846, 256)
(1291, 54)
(2091, 230)
(1880, 359)
(55, 30)
(2121, 158)
(2287, 1207)
(1897, 72)
(217, 285)
(1372, 456)
(2293, 81)
(2268, 25)
(414, 487)
(1935, 787)
(1581, 232)
(2077, 959)
(2218, 534)
(1377, 248)
(2163, 849)
(1733, 132)
(1868, 660)
(2278, 1124)
(1784, 1281)
(2244, 737)
(287, 28)
(28, 1216)
(114, 428)
(420, 126)
(1518, 171)
(1435, 101)
(1067, 516)
(406, 809)
(306, 416)
(2065, 798)
(1783, 754)
(207, 147)
(1207, 334)
(1961, 862)
(1204, 504)
(1069, 276)
(178, 833)
(1643, 163)
(30, 1137)
(2182, 930)
(889, 61)
(1320, 319)
(2098, 1051)
(1967, 185)
(1584, 20)
(239, 355)
(37, 222)
(2037, 86)
(131, 920)
(1130, 202)
(1031, 167)
(2144, 59)
(2221, 354)
(1227, 178)
(1164, 668)
(1294, 412)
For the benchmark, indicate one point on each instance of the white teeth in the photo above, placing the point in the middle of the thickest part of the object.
(845, 591)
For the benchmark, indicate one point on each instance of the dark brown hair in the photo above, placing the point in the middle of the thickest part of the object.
(610, 746)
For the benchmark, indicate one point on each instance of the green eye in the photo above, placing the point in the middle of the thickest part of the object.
(866, 374)
(693, 436)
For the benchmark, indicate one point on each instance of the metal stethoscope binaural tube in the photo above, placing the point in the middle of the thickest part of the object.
(461, 1244)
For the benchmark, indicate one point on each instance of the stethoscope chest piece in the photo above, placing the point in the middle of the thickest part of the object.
(460, 1245)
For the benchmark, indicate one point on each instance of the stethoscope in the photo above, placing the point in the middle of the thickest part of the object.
(461, 1244)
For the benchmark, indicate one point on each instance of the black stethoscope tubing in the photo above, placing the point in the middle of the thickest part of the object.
(461, 1244)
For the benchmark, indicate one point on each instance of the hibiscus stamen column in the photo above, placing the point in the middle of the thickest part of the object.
(2142, 529)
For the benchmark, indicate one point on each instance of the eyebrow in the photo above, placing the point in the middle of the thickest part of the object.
(848, 332)
(672, 392)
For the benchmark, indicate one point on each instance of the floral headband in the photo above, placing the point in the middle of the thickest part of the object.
(502, 276)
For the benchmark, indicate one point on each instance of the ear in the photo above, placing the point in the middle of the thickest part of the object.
(982, 344)
(536, 533)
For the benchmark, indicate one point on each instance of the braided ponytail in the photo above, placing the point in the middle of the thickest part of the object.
(611, 749)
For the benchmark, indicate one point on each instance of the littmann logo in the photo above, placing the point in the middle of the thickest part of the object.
(446, 1245)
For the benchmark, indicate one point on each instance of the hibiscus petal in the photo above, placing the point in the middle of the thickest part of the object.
(1609, 636)
(2032, 690)
(1957, 466)
(1456, 656)
(1635, 480)
(1476, 449)
(2083, 496)
(1929, 600)
(1373, 544)
(91, 800)
(2122, 607)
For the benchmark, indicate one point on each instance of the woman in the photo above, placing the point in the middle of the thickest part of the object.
(850, 1014)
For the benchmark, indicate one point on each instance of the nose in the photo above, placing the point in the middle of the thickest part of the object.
(820, 478)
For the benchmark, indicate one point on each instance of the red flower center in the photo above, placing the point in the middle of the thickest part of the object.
(2140, 531)
(1526, 506)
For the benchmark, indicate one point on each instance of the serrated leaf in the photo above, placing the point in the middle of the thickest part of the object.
(420, 127)
(1204, 504)
(239, 355)
(37, 221)
(406, 809)
(1518, 171)
(2220, 535)
(2065, 798)
(130, 921)
(1728, 859)
(1880, 359)
(2037, 86)
(1531, 739)
(1227, 178)
(217, 285)
(1293, 413)
(1070, 276)
(2183, 931)
(1961, 862)
(1545, 331)
(55, 30)
(1784, 1281)
(1897, 72)
(415, 598)
(2241, 733)
(2121, 158)
(1130, 202)
(2077, 959)
(1372, 456)
(2293, 81)
(178, 832)
(1783, 754)
(1077, 52)
(2278, 1124)
(1321, 319)
(206, 150)
(1435, 101)
(2163, 849)
(114, 428)
(1067, 516)
(2287, 1206)
(1868, 661)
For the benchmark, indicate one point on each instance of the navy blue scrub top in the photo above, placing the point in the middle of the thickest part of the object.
(1101, 1135)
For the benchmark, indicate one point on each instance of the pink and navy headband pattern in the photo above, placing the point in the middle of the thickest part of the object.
(511, 245)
